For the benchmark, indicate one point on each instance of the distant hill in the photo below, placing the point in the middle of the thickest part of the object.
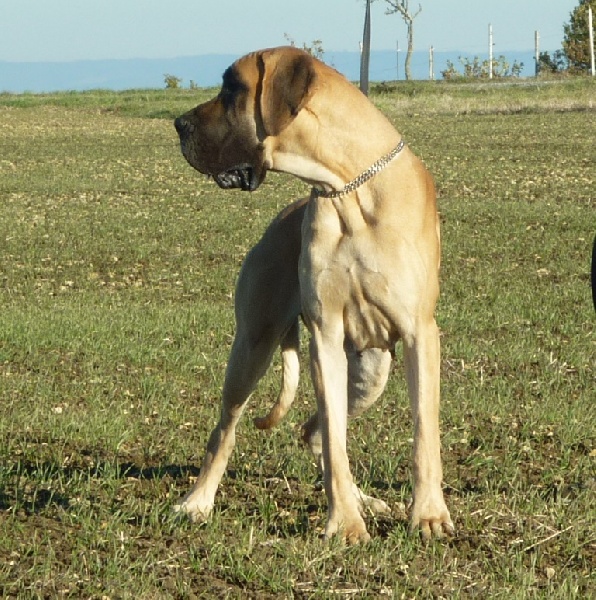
(205, 70)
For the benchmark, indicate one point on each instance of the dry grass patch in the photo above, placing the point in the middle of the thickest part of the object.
(117, 266)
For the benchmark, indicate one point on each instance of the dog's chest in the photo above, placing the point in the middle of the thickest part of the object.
(343, 281)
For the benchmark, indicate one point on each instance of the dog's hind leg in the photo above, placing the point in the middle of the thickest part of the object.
(267, 307)
(368, 372)
(246, 365)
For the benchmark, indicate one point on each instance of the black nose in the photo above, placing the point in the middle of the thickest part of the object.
(182, 126)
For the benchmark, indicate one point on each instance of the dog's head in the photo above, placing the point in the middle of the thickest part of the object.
(261, 94)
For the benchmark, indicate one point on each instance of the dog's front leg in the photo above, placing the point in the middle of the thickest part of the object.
(329, 367)
(368, 371)
(429, 512)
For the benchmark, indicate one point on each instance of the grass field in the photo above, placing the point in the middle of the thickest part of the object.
(117, 267)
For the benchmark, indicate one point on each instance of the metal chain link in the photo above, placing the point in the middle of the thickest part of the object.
(365, 176)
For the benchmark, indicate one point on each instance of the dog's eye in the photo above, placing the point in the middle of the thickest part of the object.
(227, 96)
(232, 86)
(227, 88)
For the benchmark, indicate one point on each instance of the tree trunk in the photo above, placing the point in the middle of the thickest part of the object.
(365, 56)
(403, 8)
(410, 25)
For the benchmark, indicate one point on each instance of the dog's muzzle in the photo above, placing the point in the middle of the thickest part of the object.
(183, 127)
(242, 176)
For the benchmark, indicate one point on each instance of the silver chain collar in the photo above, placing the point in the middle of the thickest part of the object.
(363, 177)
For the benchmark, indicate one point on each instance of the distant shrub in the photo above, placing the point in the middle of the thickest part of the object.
(314, 49)
(476, 69)
(552, 64)
(384, 87)
(171, 81)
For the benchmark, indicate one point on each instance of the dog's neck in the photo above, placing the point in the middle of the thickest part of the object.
(332, 174)
(353, 185)
(334, 154)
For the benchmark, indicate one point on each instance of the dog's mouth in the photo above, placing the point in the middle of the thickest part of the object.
(240, 176)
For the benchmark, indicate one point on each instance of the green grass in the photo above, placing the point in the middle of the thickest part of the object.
(117, 266)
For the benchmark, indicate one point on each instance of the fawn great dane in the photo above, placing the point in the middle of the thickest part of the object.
(359, 261)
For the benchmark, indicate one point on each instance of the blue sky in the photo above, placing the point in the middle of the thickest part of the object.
(67, 30)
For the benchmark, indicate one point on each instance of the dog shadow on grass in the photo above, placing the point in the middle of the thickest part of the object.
(34, 486)
(290, 506)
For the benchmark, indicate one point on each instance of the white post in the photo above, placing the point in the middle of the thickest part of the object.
(431, 64)
(537, 52)
(490, 51)
(591, 32)
(397, 48)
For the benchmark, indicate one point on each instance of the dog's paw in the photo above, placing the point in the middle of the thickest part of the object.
(351, 533)
(370, 505)
(431, 518)
(196, 513)
(433, 528)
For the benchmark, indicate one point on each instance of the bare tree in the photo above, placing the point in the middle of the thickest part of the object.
(315, 49)
(402, 7)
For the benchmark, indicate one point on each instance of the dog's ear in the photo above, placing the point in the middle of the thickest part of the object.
(287, 82)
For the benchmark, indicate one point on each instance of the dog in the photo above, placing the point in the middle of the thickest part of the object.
(367, 269)
(267, 313)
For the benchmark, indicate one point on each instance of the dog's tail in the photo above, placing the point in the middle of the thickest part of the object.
(290, 375)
